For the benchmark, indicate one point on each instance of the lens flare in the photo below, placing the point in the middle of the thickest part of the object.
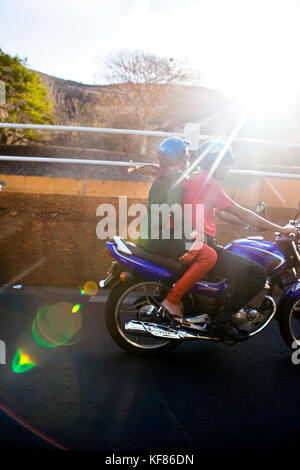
(55, 325)
(76, 308)
(30, 427)
(22, 362)
(90, 288)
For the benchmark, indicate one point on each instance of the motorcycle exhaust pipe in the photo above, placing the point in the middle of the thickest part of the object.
(140, 328)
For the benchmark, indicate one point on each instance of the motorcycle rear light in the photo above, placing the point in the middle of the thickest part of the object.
(109, 254)
(125, 276)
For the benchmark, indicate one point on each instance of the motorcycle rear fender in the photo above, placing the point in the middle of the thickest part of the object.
(140, 266)
(288, 298)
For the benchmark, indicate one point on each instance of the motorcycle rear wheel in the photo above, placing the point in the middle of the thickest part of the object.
(141, 292)
(289, 323)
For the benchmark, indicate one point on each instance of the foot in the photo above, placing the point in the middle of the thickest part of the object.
(173, 309)
(223, 326)
(175, 312)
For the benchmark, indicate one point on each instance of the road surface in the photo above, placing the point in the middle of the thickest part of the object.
(93, 395)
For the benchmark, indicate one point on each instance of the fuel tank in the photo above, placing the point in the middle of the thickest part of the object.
(263, 252)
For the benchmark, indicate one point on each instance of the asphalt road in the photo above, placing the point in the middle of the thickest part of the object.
(92, 395)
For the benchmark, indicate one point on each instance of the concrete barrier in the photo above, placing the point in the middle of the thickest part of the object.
(48, 225)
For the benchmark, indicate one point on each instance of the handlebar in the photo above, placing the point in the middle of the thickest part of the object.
(292, 235)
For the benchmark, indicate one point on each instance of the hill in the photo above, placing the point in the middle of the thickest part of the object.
(102, 106)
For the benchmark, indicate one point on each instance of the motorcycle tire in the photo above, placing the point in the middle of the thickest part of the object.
(285, 323)
(118, 293)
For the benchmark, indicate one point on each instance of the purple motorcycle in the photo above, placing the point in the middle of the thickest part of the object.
(140, 281)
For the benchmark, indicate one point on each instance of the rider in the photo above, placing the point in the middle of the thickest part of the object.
(173, 158)
(215, 158)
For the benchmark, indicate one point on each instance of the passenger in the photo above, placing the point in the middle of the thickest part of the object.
(202, 187)
(173, 158)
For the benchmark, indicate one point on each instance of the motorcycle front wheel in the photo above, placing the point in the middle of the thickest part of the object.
(289, 324)
(129, 301)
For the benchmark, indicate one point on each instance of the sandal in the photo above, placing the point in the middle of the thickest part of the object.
(175, 315)
(180, 320)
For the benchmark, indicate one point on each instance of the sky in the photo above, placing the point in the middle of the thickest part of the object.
(230, 42)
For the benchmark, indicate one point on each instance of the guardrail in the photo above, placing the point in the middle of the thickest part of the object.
(20, 158)
(106, 130)
(190, 132)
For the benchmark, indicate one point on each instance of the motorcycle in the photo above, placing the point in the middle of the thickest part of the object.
(139, 281)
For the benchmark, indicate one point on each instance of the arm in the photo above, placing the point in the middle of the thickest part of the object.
(229, 218)
(252, 218)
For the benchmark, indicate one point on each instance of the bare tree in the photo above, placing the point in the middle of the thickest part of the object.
(145, 83)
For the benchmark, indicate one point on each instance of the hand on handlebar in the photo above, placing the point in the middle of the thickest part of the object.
(288, 229)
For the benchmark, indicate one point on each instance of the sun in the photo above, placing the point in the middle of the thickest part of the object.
(255, 57)
(264, 85)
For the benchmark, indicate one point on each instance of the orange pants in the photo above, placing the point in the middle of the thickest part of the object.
(202, 262)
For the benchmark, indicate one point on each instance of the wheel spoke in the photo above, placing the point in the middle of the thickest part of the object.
(146, 294)
(140, 295)
(133, 307)
(150, 297)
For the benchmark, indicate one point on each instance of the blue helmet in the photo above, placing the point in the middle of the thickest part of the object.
(172, 147)
(209, 151)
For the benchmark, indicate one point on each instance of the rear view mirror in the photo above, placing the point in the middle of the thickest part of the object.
(261, 207)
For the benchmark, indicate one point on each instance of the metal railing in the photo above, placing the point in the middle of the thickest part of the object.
(104, 130)
(269, 174)
(107, 130)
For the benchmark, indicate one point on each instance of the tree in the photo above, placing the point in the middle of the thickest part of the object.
(145, 83)
(26, 100)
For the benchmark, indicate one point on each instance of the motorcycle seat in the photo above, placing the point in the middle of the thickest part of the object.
(176, 266)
